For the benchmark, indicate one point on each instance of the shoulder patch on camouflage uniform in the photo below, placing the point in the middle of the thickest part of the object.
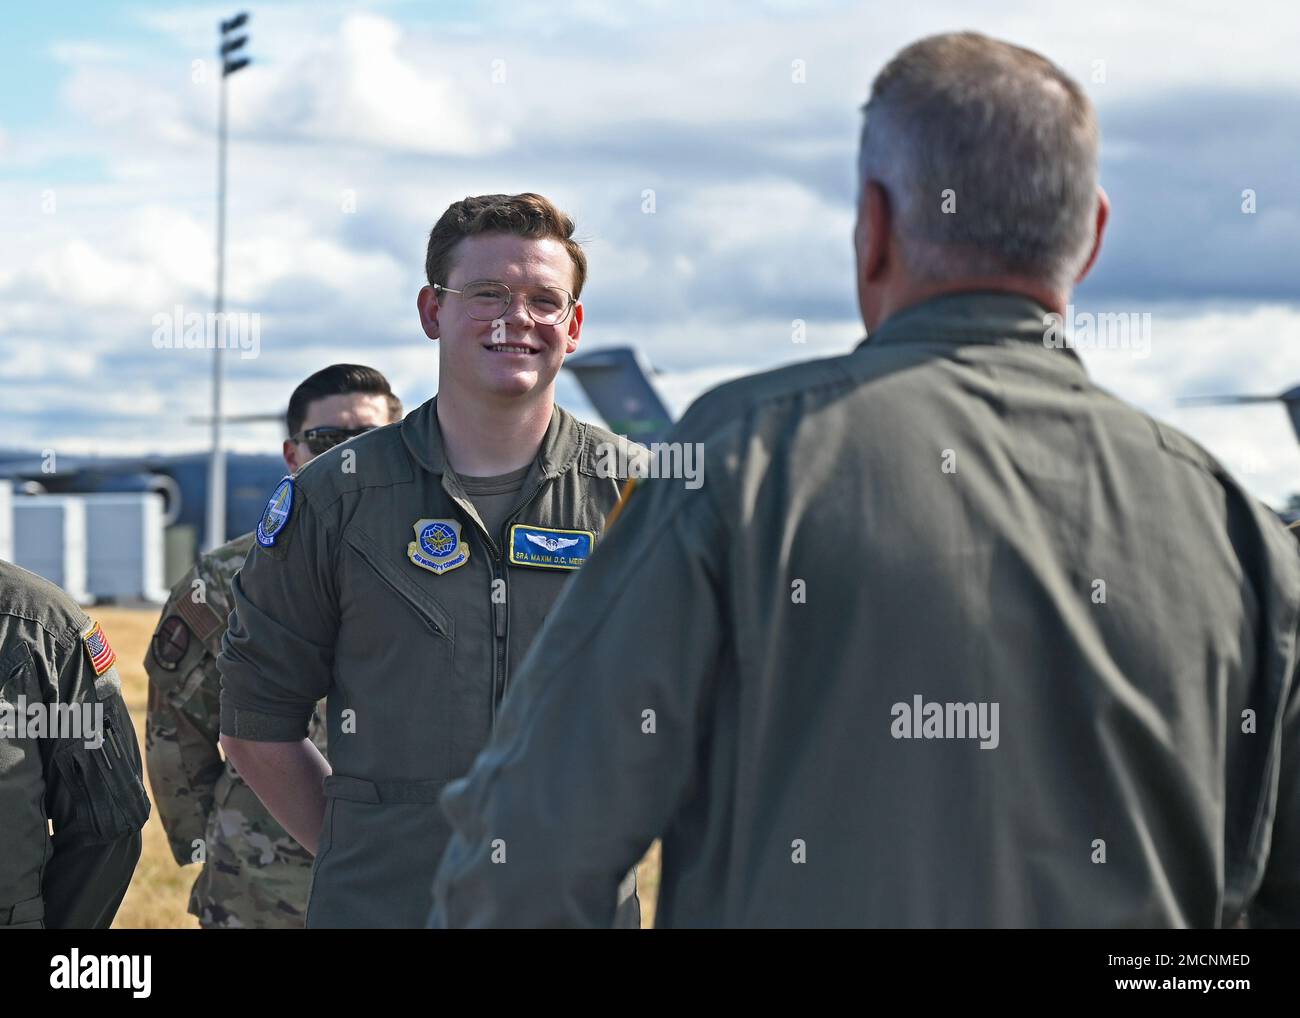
(199, 616)
(170, 642)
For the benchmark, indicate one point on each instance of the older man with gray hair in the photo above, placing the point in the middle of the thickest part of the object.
(949, 636)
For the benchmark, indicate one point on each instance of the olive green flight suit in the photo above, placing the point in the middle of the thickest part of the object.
(791, 673)
(381, 590)
(52, 654)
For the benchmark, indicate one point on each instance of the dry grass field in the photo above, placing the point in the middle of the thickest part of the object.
(160, 889)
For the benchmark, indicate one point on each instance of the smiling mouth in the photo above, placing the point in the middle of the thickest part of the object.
(512, 348)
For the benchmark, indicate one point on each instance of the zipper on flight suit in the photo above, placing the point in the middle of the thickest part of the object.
(501, 612)
(500, 619)
(500, 634)
(505, 550)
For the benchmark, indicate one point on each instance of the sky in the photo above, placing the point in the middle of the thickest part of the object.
(706, 151)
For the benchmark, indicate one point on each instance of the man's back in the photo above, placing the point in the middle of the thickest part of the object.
(974, 523)
(948, 636)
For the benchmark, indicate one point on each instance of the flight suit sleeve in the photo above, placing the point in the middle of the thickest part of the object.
(1277, 904)
(182, 729)
(277, 656)
(96, 799)
(597, 740)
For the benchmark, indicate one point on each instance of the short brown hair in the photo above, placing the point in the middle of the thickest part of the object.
(339, 380)
(525, 215)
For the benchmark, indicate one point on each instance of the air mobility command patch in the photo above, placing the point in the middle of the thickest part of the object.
(101, 654)
(437, 546)
(548, 548)
(276, 513)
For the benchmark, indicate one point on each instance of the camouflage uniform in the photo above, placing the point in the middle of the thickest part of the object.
(255, 875)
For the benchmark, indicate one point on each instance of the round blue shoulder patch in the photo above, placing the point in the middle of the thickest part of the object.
(276, 513)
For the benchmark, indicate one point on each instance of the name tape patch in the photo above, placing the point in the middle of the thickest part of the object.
(549, 548)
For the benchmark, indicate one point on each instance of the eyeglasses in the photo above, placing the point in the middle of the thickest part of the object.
(486, 301)
(318, 440)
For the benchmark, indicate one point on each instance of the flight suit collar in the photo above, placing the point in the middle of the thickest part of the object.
(560, 446)
(983, 316)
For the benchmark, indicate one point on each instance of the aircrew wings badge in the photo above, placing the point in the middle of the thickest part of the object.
(548, 548)
(437, 546)
(276, 513)
(101, 654)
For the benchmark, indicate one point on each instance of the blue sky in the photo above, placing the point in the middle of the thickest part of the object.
(358, 123)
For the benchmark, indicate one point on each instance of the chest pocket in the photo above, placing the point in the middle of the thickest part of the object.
(399, 581)
(101, 791)
(26, 845)
(15, 670)
(17, 679)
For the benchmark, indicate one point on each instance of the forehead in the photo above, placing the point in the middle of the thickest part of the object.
(346, 410)
(511, 259)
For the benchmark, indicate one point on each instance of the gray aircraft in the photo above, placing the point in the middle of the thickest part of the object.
(617, 381)
(1290, 398)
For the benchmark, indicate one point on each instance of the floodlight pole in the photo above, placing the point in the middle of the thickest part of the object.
(216, 527)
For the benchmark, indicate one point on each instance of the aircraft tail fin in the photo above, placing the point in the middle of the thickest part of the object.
(617, 382)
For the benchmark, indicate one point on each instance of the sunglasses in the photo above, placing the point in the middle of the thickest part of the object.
(318, 440)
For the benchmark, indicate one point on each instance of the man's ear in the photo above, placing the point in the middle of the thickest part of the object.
(875, 219)
(1103, 217)
(575, 328)
(427, 302)
(290, 452)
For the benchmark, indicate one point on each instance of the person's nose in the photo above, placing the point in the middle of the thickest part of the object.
(517, 313)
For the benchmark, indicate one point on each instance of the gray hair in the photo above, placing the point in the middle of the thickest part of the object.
(1013, 138)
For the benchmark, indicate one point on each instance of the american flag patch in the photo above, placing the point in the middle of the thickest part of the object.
(101, 654)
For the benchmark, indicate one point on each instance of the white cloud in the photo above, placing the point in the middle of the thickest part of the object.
(35, 358)
(79, 52)
(368, 86)
(1233, 349)
(78, 273)
(598, 103)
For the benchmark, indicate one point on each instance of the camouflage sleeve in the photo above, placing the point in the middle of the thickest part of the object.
(181, 727)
